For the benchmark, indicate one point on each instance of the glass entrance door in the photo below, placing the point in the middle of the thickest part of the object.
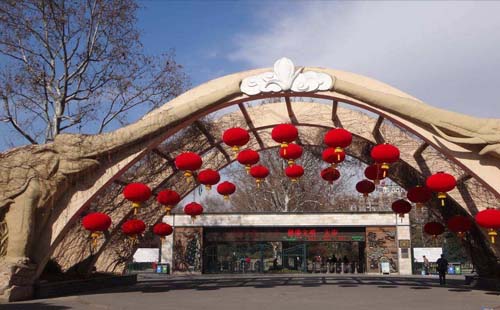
(238, 257)
(294, 256)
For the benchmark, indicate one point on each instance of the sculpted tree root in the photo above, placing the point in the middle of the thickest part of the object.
(33, 179)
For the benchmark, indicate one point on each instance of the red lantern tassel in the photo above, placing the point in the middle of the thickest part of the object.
(258, 181)
(235, 151)
(136, 206)
(442, 196)
(492, 233)
(95, 235)
(338, 150)
(188, 175)
(167, 210)
(284, 145)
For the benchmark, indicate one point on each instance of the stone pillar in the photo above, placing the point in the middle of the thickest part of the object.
(167, 245)
(404, 246)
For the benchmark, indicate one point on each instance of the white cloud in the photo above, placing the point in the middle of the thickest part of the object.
(445, 53)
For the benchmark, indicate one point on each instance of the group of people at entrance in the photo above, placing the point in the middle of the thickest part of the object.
(442, 268)
(335, 265)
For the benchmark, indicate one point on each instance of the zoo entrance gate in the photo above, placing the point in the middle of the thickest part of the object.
(295, 242)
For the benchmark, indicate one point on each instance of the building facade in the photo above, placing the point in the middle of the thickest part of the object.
(358, 242)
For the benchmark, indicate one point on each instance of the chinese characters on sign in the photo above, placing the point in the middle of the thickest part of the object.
(311, 235)
(284, 234)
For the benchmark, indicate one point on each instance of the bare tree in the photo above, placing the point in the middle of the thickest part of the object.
(75, 63)
(279, 194)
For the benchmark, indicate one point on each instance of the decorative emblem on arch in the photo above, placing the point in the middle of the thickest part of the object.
(286, 77)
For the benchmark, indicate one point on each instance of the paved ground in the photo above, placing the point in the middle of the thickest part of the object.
(287, 292)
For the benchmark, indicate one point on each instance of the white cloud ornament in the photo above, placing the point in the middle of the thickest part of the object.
(284, 78)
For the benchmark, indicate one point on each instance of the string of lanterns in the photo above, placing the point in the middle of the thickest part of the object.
(337, 140)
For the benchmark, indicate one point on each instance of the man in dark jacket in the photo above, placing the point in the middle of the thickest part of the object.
(442, 267)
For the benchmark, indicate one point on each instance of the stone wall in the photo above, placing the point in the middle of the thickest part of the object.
(381, 242)
(187, 247)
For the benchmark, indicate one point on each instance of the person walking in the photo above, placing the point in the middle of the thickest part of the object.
(333, 261)
(345, 260)
(426, 266)
(442, 267)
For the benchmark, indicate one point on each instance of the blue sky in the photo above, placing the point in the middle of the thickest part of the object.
(203, 33)
(445, 53)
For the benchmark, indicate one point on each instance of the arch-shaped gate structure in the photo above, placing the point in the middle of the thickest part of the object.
(46, 188)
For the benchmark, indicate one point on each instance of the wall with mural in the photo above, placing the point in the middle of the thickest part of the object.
(187, 249)
(381, 245)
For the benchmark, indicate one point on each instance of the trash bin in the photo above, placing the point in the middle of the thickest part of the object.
(163, 268)
(455, 268)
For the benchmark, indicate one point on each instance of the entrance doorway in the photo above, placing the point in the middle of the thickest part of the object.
(324, 257)
(238, 257)
(258, 250)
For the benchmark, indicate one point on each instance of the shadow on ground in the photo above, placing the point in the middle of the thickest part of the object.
(32, 305)
(155, 284)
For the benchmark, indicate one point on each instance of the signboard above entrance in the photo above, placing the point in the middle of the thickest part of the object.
(310, 234)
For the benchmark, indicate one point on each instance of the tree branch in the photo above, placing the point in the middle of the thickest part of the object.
(14, 123)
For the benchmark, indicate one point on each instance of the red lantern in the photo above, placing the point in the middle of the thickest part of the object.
(137, 193)
(419, 195)
(441, 183)
(162, 230)
(284, 134)
(226, 188)
(235, 137)
(293, 151)
(96, 223)
(338, 139)
(434, 229)
(332, 157)
(294, 172)
(259, 172)
(401, 207)
(385, 154)
(365, 187)
(374, 173)
(490, 219)
(193, 209)
(133, 228)
(169, 199)
(248, 158)
(459, 224)
(188, 162)
(330, 174)
(208, 177)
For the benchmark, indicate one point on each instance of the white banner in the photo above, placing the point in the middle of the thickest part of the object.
(432, 254)
(146, 255)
